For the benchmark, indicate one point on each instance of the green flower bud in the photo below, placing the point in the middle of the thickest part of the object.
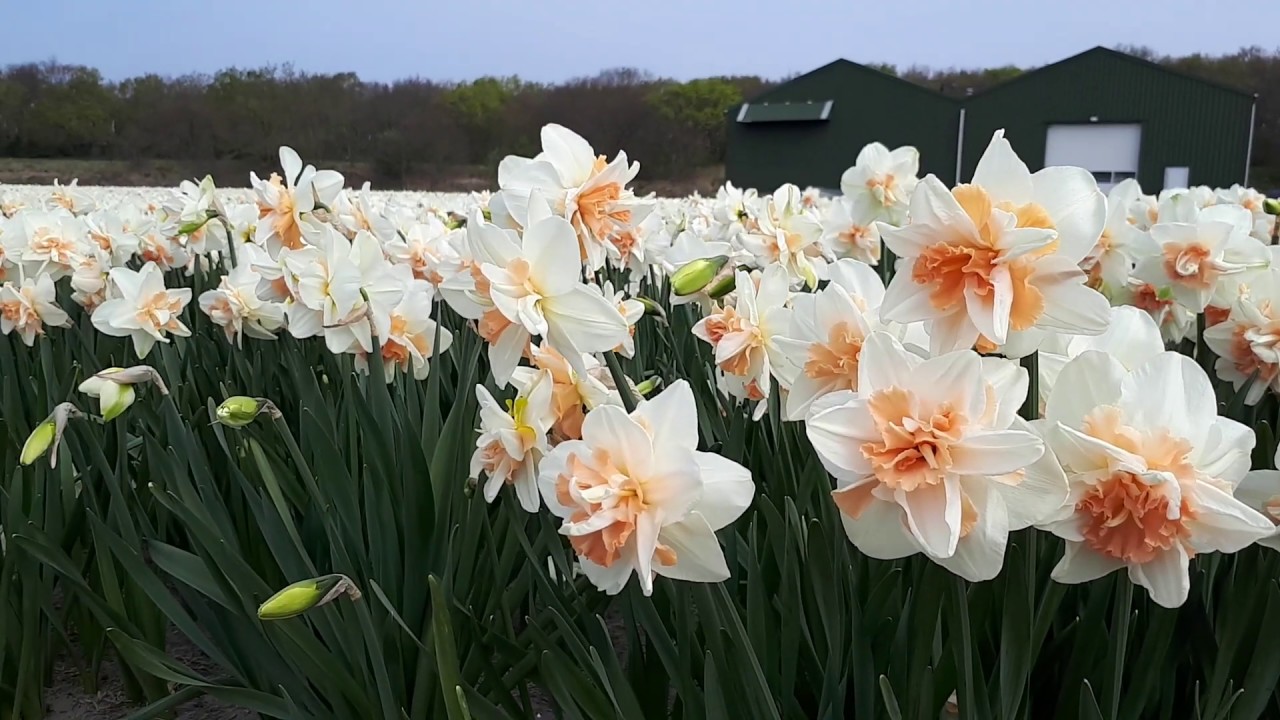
(193, 226)
(48, 434)
(1271, 206)
(723, 285)
(239, 410)
(697, 274)
(456, 220)
(38, 442)
(306, 595)
(652, 308)
(649, 385)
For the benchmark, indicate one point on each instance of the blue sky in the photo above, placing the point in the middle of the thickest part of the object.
(549, 40)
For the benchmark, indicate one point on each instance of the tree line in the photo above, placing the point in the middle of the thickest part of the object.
(409, 129)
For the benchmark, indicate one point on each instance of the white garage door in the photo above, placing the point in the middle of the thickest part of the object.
(1109, 151)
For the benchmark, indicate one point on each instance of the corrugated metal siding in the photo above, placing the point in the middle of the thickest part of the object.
(869, 106)
(1185, 122)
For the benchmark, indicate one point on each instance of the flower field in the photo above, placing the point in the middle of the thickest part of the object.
(999, 450)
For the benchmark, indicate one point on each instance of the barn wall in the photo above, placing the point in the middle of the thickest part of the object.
(1186, 121)
(869, 106)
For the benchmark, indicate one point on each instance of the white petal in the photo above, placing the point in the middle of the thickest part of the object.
(609, 428)
(933, 516)
(1225, 524)
(585, 321)
(980, 554)
(1002, 173)
(884, 363)
(1081, 564)
(671, 417)
(727, 489)
(1078, 208)
(880, 532)
(995, 452)
(1227, 453)
(1091, 379)
(1170, 390)
(1165, 577)
(551, 247)
(698, 554)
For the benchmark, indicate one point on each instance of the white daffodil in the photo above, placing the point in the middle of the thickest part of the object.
(636, 497)
(141, 308)
(514, 440)
(1260, 490)
(1152, 470)
(236, 308)
(881, 181)
(283, 201)
(468, 292)
(930, 456)
(1111, 261)
(786, 235)
(850, 232)
(539, 288)
(1194, 257)
(742, 334)
(819, 350)
(1247, 343)
(573, 393)
(27, 308)
(995, 263)
(407, 334)
(580, 186)
(55, 243)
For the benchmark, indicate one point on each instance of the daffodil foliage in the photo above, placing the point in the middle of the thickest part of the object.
(998, 450)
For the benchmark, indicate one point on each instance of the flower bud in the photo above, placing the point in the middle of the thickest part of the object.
(723, 285)
(652, 308)
(697, 274)
(114, 388)
(649, 385)
(238, 411)
(37, 442)
(306, 595)
(48, 434)
(188, 228)
(1271, 206)
(456, 221)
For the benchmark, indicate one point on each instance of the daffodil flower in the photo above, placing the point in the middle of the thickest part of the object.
(1152, 471)
(635, 496)
(514, 439)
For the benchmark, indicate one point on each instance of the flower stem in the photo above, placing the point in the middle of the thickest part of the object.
(963, 648)
(620, 380)
(1031, 406)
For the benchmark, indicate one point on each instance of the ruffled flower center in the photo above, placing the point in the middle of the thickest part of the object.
(1135, 514)
(836, 359)
(953, 269)
(1190, 264)
(607, 503)
(914, 449)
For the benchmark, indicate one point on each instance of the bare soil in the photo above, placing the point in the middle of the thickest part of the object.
(67, 699)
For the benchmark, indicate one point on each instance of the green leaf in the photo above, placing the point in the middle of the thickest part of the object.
(446, 651)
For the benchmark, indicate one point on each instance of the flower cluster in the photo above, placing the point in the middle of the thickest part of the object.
(910, 380)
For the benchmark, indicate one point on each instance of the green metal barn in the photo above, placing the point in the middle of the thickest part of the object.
(1117, 116)
(1113, 114)
(809, 130)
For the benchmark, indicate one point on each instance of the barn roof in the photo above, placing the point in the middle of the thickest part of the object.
(1120, 57)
